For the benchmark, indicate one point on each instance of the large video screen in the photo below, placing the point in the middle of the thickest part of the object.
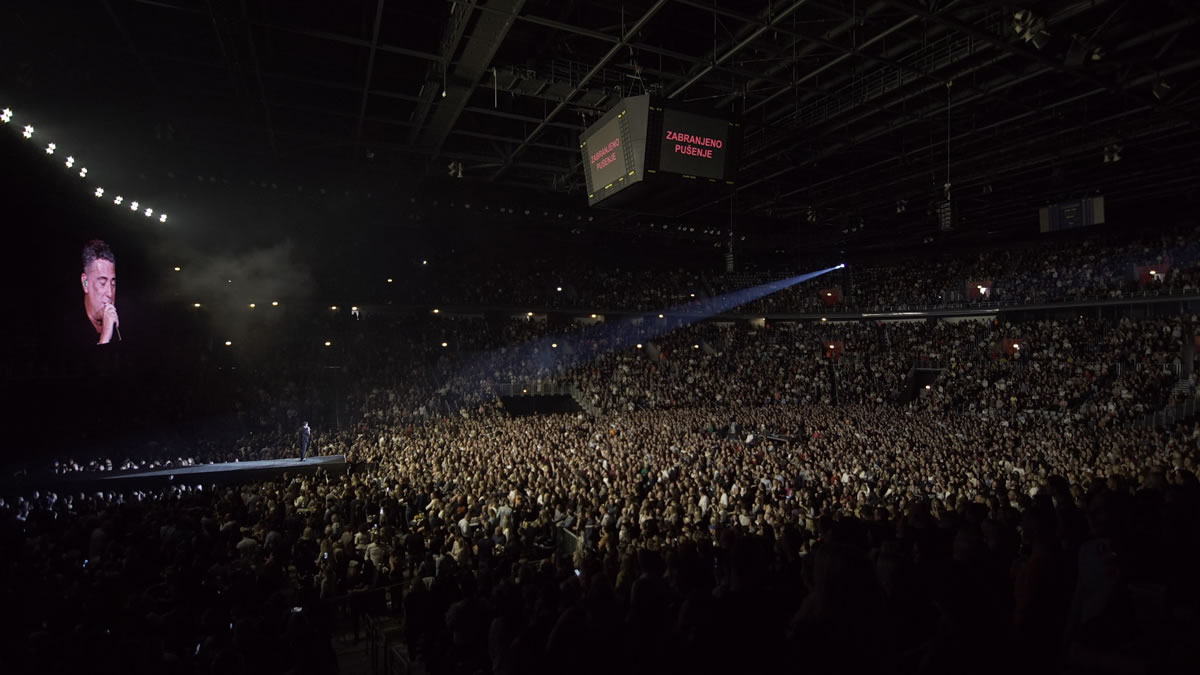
(604, 157)
(693, 145)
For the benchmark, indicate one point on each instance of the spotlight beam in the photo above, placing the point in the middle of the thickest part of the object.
(562, 353)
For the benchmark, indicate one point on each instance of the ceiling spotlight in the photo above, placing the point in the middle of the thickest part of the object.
(228, 343)
(424, 262)
(70, 161)
(660, 316)
(6, 116)
(149, 212)
(83, 172)
(162, 218)
(389, 281)
(558, 288)
(554, 345)
(1030, 28)
(252, 305)
(529, 314)
(593, 316)
(333, 308)
(901, 205)
(133, 206)
(28, 132)
(51, 148)
(455, 168)
(639, 345)
(176, 269)
(328, 343)
(196, 305)
(1112, 153)
(354, 308)
(118, 200)
(99, 192)
(1161, 90)
(436, 311)
(274, 303)
(445, 344)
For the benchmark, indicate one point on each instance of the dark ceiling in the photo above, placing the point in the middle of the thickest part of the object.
(854, 111)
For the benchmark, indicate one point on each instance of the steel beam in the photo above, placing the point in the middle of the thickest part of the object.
(366, 88)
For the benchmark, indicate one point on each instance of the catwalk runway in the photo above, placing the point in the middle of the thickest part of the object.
(202, 474)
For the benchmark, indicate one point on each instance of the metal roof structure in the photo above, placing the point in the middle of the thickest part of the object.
(855, 112)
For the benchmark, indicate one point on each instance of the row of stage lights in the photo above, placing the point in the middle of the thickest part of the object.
(6, 117)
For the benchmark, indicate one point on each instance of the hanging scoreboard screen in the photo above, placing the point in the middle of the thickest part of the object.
(605, 158)
(693, 145)
(648, 155)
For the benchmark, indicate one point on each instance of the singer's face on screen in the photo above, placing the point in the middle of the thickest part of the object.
(99, 287)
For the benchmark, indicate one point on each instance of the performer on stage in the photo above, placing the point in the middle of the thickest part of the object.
(305, 432)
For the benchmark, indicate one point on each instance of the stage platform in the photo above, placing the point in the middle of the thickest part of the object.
(200, 474)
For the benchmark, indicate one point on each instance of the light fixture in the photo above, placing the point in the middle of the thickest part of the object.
(252, 305)
(593, 316)
(118, 200)
(196, 305)
(328, 343)
(176, 269)
(639, 345)
(133, 206)
(660, 316)
(444, 344)
(389, 281)
(149, 212)
(354, 308)
(274, 303)
(1160, 91)
(554, 345)
(83, 172)
(70, 161)
(51, 148)
(99, 192)
(695, 346)
(1031, 28)
(424, 262)
(228, 343)
(927, 386)
(824, 319)
(558, 288)
(436, 311)
(6, 115)
(333, 307)
(832, 347)
(1016, 346)
(162, 218)
(28, 132)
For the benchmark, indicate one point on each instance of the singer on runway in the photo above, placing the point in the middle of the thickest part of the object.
(305, 432)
